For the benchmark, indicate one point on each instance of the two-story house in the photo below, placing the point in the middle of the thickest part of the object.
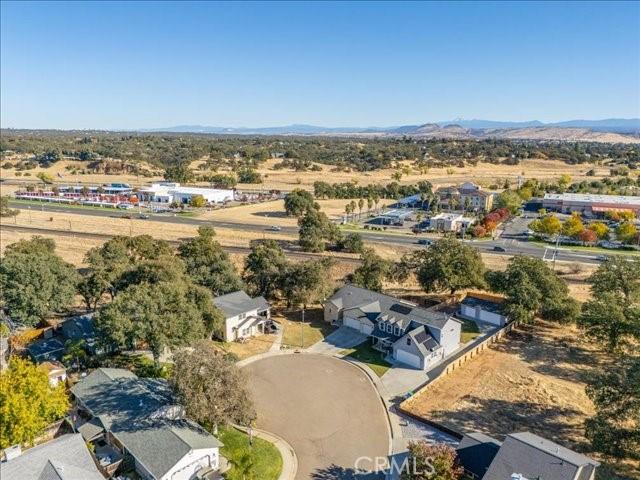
(243, 316)
(410, 334)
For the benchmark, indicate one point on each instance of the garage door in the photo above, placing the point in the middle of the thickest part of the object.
(408, 358)
(469, 311)
(353, 323)
(492, 318)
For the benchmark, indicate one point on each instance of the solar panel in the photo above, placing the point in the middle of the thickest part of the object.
(403, 309)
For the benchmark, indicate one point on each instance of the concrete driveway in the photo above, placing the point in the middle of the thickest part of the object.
(325, 408)
(343, 337)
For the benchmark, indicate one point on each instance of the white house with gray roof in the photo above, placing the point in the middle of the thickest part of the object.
(243, 316)
(410, 334)
(136, 422)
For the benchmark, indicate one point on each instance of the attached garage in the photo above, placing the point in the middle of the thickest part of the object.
(362, 325)
(408, 358)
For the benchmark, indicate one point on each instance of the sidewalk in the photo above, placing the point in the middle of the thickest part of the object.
(289, 459)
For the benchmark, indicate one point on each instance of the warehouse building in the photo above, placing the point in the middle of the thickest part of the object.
(590, 204)
(168, 192)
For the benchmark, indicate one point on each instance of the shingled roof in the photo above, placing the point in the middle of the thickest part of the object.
(64, 458)
(143, 415)
(403, 312)
(235, 303)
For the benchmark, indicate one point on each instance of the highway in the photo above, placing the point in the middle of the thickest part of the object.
(509, 240)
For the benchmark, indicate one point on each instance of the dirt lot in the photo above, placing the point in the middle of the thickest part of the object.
(513, 386)
(272, 213)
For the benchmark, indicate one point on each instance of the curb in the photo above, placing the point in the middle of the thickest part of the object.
(290, 467)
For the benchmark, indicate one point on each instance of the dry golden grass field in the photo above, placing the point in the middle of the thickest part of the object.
(287, 179)
(533, 380)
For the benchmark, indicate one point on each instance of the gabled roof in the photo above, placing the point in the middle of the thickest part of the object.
(351, 296)
(64, 458)
(476, 451)
(235, 303)
(47, 349)
(159, 444)
(422, 339)
(536, 457)
(79, 328)
(141, 413)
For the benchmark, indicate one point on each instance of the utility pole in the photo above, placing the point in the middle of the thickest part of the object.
(302, 327)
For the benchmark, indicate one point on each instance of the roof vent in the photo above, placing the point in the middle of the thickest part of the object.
(12, 452)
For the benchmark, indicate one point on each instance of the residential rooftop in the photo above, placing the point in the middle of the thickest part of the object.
(235, 303)
(64, 458)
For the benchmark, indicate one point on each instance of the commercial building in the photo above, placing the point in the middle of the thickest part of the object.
(468, 196)
(590, 204)
(169, 192)
(450, 222)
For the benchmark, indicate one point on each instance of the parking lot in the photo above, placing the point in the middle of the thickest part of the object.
(325, 408)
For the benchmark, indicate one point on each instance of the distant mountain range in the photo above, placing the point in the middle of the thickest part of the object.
(607, 130)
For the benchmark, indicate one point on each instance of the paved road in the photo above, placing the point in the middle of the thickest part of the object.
(325, 408)
(511, 243)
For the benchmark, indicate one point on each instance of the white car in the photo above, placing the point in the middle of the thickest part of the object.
(274, 228)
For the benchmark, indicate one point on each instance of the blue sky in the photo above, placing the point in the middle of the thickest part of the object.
(144, 65)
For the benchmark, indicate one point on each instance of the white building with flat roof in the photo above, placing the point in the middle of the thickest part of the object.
(168, 192)
(590, 203)
(450, 222)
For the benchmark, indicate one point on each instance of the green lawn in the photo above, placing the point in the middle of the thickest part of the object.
(469, 330)
(366, 354)
(265, 457)
(298, 335)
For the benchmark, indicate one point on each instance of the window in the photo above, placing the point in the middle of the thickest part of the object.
(389, 328)
(396, 330)
(242, 316)
(408, 341)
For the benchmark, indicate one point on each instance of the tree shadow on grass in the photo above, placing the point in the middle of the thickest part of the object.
(500, 417)
(561, 358)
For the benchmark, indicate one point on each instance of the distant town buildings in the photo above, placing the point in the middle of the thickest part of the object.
(169, 192)
(466, 196)
(590, 204)
(450, 222)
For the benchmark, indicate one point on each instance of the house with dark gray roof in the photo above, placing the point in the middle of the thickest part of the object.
(81, 328)
(136, 422)
(412, 335)
(46, 349)
(243, 316)
(522, 455)
(64, 458)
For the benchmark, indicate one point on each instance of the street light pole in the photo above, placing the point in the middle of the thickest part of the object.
(302, 327)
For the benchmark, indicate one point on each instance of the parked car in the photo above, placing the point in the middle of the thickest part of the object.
(125, 206)
(273, 327)
(274, 228)
(498, 248)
